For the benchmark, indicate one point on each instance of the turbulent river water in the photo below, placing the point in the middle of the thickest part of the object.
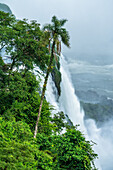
(69, 103)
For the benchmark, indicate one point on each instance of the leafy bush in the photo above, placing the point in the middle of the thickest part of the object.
(74, 152)
(19, 105)
(69, 150)
(15, 155)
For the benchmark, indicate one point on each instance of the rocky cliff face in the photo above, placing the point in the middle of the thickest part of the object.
(5, 8)
(94, 87)
(56, 77)
(101, 110)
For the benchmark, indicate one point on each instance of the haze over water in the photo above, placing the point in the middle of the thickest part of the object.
(90, 59)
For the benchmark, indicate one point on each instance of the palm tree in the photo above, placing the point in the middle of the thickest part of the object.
(56, 33)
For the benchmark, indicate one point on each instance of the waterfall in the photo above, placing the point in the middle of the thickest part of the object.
(68, 101)
(69, 104)
(103, 137)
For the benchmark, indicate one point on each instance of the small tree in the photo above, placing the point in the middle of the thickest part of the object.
(55, 32)
(24, 41)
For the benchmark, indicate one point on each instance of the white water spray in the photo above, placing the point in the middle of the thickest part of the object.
(104, 140)
(69, 103)
(68, 100)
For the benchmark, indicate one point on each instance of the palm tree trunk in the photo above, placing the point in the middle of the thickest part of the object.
(60, 49)
(44, 88)
(12, 65)
(49, 46)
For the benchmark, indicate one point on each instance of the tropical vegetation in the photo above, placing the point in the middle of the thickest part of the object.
(55, 32)
(20, 95)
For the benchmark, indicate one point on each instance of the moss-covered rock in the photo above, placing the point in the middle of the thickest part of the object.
(56, 76)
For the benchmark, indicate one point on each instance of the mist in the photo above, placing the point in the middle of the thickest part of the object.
(103, 138)
(90, 24)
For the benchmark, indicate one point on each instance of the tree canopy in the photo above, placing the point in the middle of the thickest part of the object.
(20, 89)
(55, 31)
(24, 42)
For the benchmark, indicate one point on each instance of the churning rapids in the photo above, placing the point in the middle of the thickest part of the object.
(69, 103)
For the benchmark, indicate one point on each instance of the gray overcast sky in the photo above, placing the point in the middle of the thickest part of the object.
(90, 23)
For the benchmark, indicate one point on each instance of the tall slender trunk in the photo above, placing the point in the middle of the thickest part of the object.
(60, 48)
(49, 46)
(44, 88)
(13, 63)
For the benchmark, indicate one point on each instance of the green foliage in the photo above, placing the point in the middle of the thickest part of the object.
(69, 150)
(15, 155)
(3, 70)
(56, 30)
(18, 131)
(74, 152)
(6, 32)
(18, 150)
(23, 41)
(19, 105)
(21, 101)
(59, 122)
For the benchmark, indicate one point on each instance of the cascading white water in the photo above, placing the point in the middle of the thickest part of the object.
(69, 103)
(51, 92)
(104, 143)
(51, 95)
(68, 100)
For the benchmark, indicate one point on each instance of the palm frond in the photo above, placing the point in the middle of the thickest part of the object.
(47, 27)
(63, 21)
(57, 33)
(54, 19)
(65, 37)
